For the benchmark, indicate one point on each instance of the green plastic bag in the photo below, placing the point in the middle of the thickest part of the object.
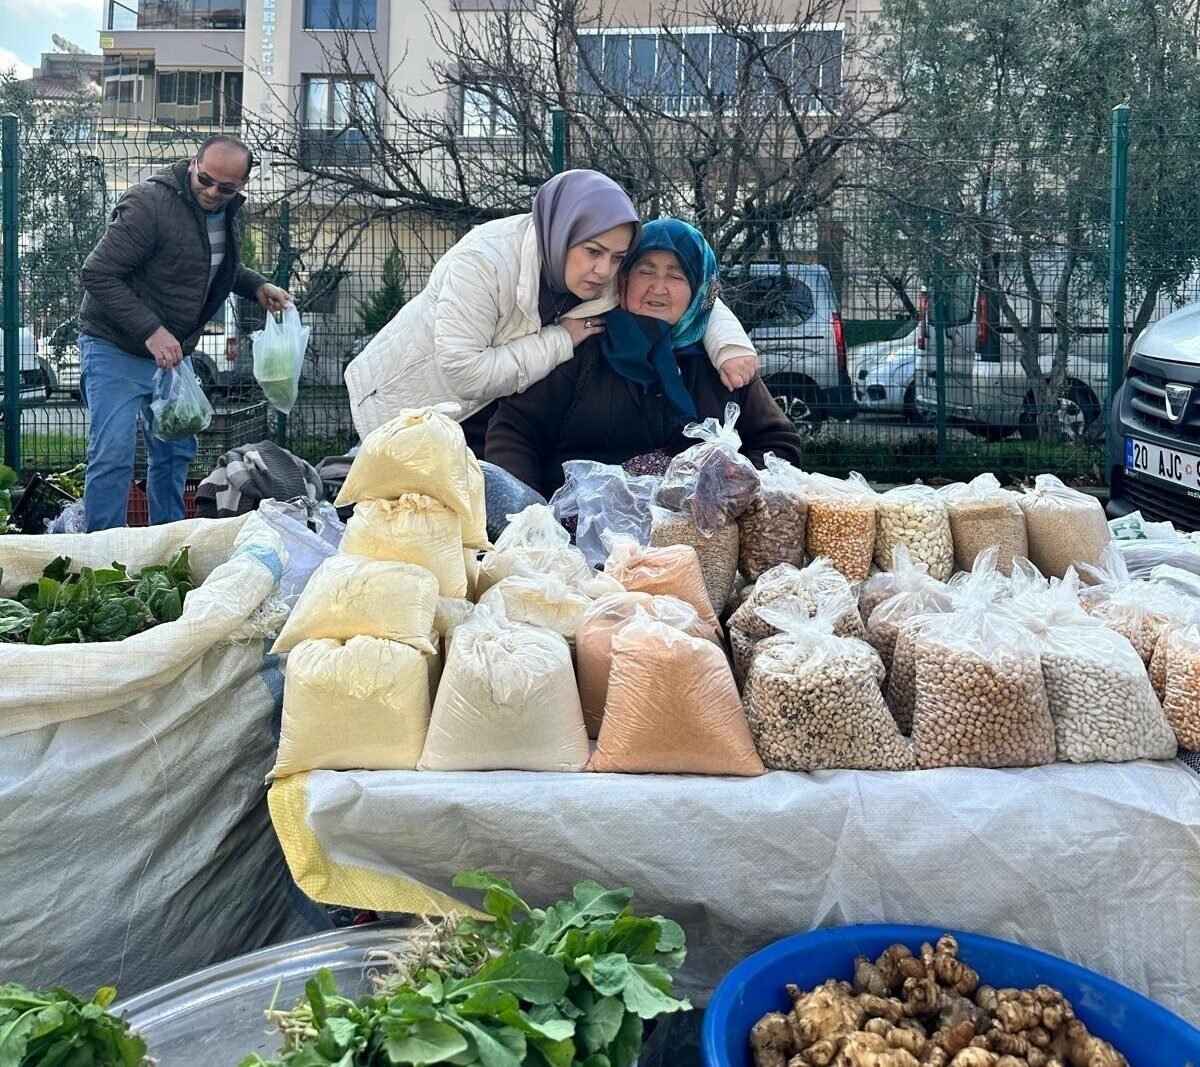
(278, 357)
(179, 406)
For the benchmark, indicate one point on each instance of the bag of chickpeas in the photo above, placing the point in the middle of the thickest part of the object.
(841, 522)
(1140, 611)
(917, 592)
(813, 699)
(772, 530)
(1181, 681)
(917, 518)
(984, 514)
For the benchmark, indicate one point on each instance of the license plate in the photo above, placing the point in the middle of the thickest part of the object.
(1164, 464)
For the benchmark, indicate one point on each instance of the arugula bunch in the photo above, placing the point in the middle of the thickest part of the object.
(568, 986)
(104, 604)
(56, 1029)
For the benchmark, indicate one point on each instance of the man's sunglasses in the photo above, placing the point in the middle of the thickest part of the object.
(224, 188)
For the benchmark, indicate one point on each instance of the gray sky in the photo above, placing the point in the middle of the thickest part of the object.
(28, 25)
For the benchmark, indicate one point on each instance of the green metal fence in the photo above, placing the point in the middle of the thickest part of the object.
(985, 291)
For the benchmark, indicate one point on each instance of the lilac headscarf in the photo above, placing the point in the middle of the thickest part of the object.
(573, 207)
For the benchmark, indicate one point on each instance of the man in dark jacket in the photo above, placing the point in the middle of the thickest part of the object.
(165, 266)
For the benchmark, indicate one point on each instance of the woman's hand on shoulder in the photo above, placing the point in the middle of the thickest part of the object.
(739, 372)
(581, 329)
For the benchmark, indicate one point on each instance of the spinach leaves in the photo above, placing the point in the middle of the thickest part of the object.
(56, 1029)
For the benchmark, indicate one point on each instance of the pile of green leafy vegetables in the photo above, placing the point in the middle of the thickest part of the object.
(56, 1029)
(95, 604)
(569, 986)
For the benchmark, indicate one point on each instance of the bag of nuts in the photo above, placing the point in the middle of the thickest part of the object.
(917, 517)
(772, 529)
(718, 554)
(1100, 698)
(1181, 700)
(841, 522)
(711, 482)
(917, 592)
(877, 589)
(813, 698)
(981, 701)
(1064, 526)
(814, 585)
(672, 570)
(982, 514)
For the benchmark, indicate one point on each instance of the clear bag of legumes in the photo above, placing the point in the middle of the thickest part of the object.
(772, 530)
(980, 698)
(1181, 682)
(711, 481)
(718, 553)
(841, 522)
(917, 592)
(1064, 526)
(1099, 695)
(983, 514)
(813, 585)
(917, 517)
(1139, 611)
(813, 699)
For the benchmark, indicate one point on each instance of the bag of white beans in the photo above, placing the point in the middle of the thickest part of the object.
(917, 517)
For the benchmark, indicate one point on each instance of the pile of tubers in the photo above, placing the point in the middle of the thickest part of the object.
(926, 1010)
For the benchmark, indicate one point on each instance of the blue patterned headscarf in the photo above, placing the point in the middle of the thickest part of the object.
(699, 263)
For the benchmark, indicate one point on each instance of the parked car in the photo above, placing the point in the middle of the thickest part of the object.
(1156, 424)
(34, 373)
(884, 375)
(791, 314)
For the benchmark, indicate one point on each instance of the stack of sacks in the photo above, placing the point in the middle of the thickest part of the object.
(672, 706)
(364, 662)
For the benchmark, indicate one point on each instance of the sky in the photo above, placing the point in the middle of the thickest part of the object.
(28, 25)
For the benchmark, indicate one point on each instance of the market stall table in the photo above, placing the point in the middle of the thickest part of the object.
(1098, 863)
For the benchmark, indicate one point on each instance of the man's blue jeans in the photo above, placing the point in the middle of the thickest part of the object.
(117, 388)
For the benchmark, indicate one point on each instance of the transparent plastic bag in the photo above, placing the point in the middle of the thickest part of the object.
(594, 637)
(602, 498)
(814, 585)
(1065, 527)
(672, 706)
(982, 514)
(841, 522)
(813, 698)
(1145, 545)
(1140, 611)
(917, 592)
(413, 528)
(711, 481)
(311, 533)
(772, 530)
(917, 517)
(279, 349)
(879, 588)
(1099, 695)
(538, 600)
(718, 553)
(1181, 691)
(533, 542)
(179, 406)
(507, 701)
(504, 497)
(670, 571)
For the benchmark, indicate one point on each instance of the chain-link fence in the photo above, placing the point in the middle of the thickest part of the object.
(928, 310)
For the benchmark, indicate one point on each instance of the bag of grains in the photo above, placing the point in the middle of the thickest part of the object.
(1099, 696)
(814, 585)
(982, 514)
(772, 530)
(813, 699)
(1181, 690)
(917, 592)
(1064, 526)
(981, 701)
(360, 705)
(673, 570)
(602, 498)
(593, 642)
(672, 706)
(413, 528)
(841, 522)
(711, 482)
(351, 595)
(917, 517)
(538, 600)
(718, 554)
(507, 701)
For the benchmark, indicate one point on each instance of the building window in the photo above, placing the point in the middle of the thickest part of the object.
(339, 14)
(199, 97)
(488, 111)
(683, 73)
(128, 87)
(337, 111)
(191, 15)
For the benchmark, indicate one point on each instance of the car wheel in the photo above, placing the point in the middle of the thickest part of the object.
(1077, 410)
(910, 410)
(798, 399)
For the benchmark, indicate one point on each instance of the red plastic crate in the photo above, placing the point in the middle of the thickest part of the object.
(139, 507)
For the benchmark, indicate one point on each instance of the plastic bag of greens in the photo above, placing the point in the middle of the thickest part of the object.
(279, 349)
(180, 408)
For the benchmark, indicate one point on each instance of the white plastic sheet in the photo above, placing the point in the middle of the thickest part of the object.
(1096, 863)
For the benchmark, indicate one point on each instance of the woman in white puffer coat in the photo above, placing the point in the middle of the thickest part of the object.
(511, 301)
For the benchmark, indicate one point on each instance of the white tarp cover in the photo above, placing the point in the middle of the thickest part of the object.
(135, 843)
(1097, 863)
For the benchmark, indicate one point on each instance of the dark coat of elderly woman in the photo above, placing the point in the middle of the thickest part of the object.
(628, 394)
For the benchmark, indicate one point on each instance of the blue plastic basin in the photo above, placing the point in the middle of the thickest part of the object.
(1148, 1034)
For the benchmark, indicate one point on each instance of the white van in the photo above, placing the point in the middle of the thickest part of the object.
(791, 314)
(987, 389)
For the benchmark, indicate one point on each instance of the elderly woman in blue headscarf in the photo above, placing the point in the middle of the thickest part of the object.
(629, 392)
(511, 301)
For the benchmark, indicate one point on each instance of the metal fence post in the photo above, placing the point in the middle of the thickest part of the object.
(558, 143)
(1119, 149)
(283, 273)
(10, 318)
(938, 306)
